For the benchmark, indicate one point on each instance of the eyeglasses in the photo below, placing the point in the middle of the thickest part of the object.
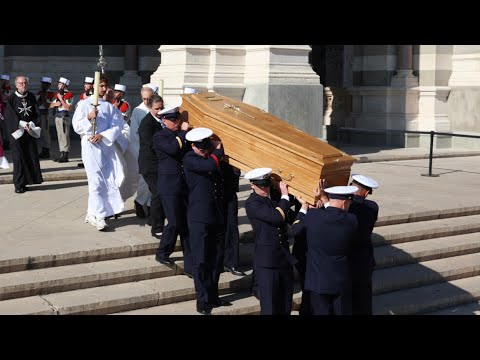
(20, 83)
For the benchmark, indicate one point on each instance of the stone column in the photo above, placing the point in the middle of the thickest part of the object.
(182, 65)
(404, 76)
(279, 80)
(130, 77)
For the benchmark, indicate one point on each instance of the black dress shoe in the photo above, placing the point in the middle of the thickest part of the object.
(139, 210)
(219, 302)
(20, 190)
(204, 308)
(234, 271)
(188, 275)
(167, 262)
(80, 165)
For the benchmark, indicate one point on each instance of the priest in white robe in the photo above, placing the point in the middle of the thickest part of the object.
(98, 155)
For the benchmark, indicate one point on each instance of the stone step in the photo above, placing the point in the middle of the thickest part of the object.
(429, 298)
(120, 297)
(101, 273)
(394, 234)
(242, 304)
(96, 251)
(427, 215)
(467, 309)
(425, 250)
(425, 273)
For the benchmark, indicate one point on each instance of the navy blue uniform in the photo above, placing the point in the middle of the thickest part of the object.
(299, 250)
(172, 189)
(362, 261)
(148, 168)
(232, 235)
(203, 216)
(330, 233)
(272, 259)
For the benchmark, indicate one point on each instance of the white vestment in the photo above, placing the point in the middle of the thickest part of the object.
(100, 160)
(129, 164)
(143, 193)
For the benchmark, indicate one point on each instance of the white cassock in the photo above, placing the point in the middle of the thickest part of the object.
(128, 162)
(100, 160)
(143, 193)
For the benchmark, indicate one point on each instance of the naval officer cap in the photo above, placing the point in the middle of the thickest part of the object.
(170, 113)
(365, 182)
(200, 137)
(5, 77)
(259, 176)
(341, 192)
(64, 81)
(120, 87)
(89, 80)
(46, 80)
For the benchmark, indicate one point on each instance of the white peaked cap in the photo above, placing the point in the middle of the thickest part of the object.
(198, 134)
(341, 192)
(64, 81)
(189, 90)
(365, 181)
(168, 110)
(5, 77)
(89, 80)
(258, 174)
(46, 79)
(153, 87)
(120, 87)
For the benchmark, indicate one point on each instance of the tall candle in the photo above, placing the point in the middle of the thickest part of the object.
(96, 88)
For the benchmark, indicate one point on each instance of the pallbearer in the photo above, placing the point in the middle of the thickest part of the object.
(362, 261)
(267, 209)
(202, 170)
(330, 234)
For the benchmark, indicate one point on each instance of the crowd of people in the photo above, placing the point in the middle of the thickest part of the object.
(185, 188)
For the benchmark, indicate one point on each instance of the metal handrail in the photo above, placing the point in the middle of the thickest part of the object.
(382, 131)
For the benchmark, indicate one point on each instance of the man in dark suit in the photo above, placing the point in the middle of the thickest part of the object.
(362, 261)
(330, 234)
(267, 211)
(202, 171)
(169, 144)
(148, 162)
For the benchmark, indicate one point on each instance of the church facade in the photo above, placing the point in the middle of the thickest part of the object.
(318, 88)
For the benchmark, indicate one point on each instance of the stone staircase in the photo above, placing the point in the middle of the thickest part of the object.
(427, 263)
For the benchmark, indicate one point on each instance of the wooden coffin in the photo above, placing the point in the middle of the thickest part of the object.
(254, 138)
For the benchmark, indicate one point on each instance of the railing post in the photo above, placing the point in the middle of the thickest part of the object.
(430, 157)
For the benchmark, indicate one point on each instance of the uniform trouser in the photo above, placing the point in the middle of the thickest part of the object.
(175, 210)
(45, 133)
(232, 236)
(275, 289)
(330, 304)
(203, 244)
(300, 253)
(157, 214)
(362, 293)
(219, 256)
(62, 124)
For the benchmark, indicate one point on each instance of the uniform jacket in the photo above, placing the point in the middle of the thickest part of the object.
(170, 148)
(201, 175)
(330, 233)
(366, 212)
(269, 223)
